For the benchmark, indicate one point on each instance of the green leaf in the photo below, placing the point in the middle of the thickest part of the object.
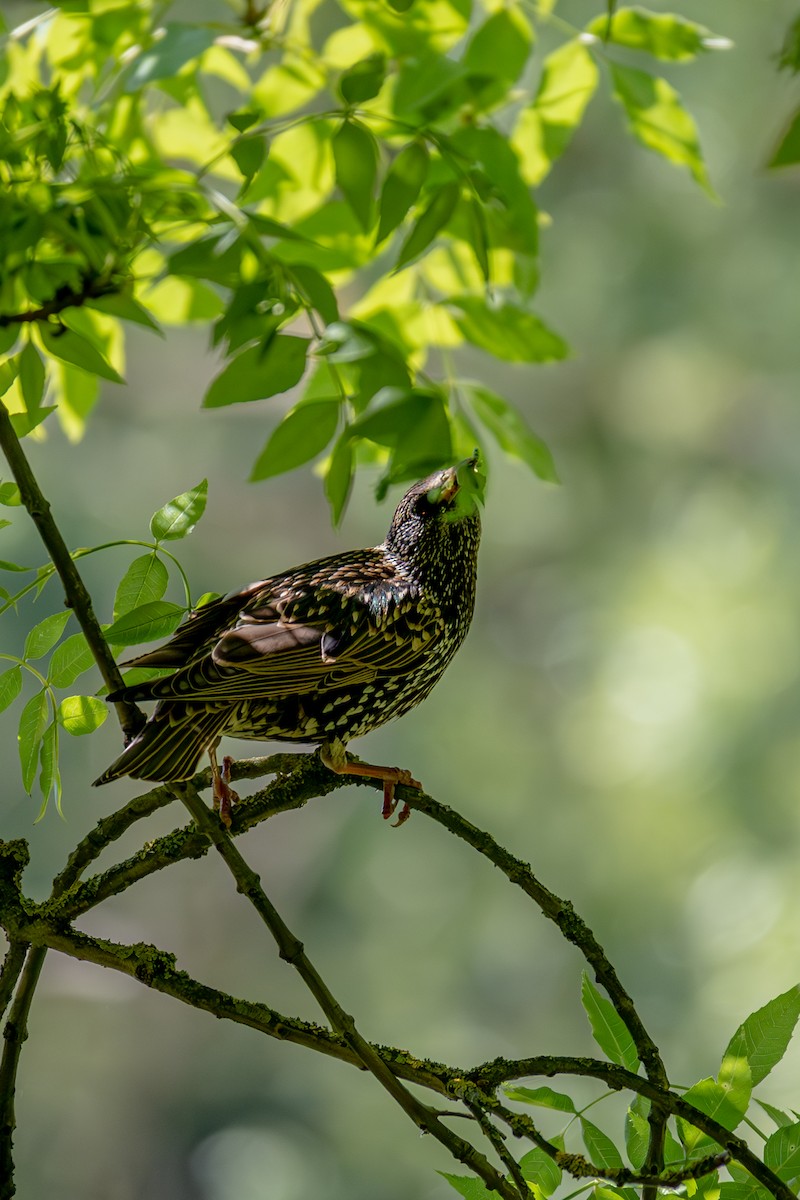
(10, 566)
(316, 290)
(32, 723)
(9, 495)
(664, 35)
(726, 1102)
(45, 635)
(637, 1133)
(762, 1039)
(303, 434)
(260, 372)
(70, 660)
(544, 1097)
(49, 776)
(506, 331)
(10, 686)
(71, 347)
(145, 579)
(179, 516)
(339, 477)
(538, 1168)
(782, 1152)
(608, 1028)
(413, 423)
(82, 714)
(776, 1114)
(429, 223)
(599, 1147)
(179, 45)
(467, 1185)
(512, 434)
(355, 156)
(401, 187)
(787, 151)
(31, 377)
(8, 373)
(118, 304)
(363, 80)
(658, 120)
(249, 153)
(545, 129)
(500, 47)
(156, 619)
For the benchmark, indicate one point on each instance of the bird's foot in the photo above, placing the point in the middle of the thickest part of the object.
(224, 795)
(344, 764)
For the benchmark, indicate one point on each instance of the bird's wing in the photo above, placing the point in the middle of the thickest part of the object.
(304, 643)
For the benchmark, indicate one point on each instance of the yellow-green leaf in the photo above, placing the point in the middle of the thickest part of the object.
(545, 129)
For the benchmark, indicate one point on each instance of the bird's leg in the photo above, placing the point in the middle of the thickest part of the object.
(338, 760)
(224, 795)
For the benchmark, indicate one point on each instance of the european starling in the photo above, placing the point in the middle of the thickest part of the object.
(323, 653)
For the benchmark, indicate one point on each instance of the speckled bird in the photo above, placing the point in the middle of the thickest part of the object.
(323, 653)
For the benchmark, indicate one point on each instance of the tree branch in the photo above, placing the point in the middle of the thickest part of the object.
(66, 297)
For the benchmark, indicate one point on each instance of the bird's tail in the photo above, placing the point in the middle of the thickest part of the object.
(171, 744)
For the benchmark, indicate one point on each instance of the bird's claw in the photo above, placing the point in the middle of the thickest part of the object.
(224, 795)
(401, 776)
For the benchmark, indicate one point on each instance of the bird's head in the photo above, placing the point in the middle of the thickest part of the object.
(437, 522)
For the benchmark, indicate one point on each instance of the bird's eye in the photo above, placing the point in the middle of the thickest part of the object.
(423, 506)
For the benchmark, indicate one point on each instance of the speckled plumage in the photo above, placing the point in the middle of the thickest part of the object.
(322, 653)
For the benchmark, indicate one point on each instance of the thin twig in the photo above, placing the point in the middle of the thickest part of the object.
(493, 1134)
(10, 971)
(15, 1032)
(66, 297)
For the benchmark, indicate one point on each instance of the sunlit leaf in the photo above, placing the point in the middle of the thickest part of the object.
(544, 1097)
(72, 348)
(762, 1039)
(9, 495)
(82, 714)
(69, 660)
(540, 1169)
(500, 47)
(664, 35)
(117, 304)
(658, 120)
(545, 128)
(506, 331)
(179, 516)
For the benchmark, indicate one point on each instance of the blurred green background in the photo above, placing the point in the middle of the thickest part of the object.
(624, 714)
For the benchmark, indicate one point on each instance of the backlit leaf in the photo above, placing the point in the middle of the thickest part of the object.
(539, 1168)
(664, 35)
(82, 714)
(73, 348)
(154, 620)
(179, 516)
(544, 1097)
(658, 120)
(764, 1037)
(69, 660)
(545, 128)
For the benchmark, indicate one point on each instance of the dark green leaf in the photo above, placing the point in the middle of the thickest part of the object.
(762, 1039)
(413, 423)
(10, 686)
(249, 153)
(599, 1146)
(789, 57)
(355, 155)
(179, 516)
(478, 234)
(118, 304)
(658, 120)
(32, 724)
(401, 6)
(144, 624)
(259, 372)
(429, 223)
(243, 119)
(179, 45)
(303, 434)
(500, 47)
(8, 338)
(363, 80)
(339, 477)
(778, 1116)
(70, 660)
(544, 1097)
(146, 579)
(49, 776)
(782, 1152)
(317, 291)
(507, 331)
(401, 187)
(31, 377)
(664, 35)
(72, 348)
(45, 635)
(539, 1168)
(82, 714)
(787, 152)
(511, 432)
(608, 1028)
